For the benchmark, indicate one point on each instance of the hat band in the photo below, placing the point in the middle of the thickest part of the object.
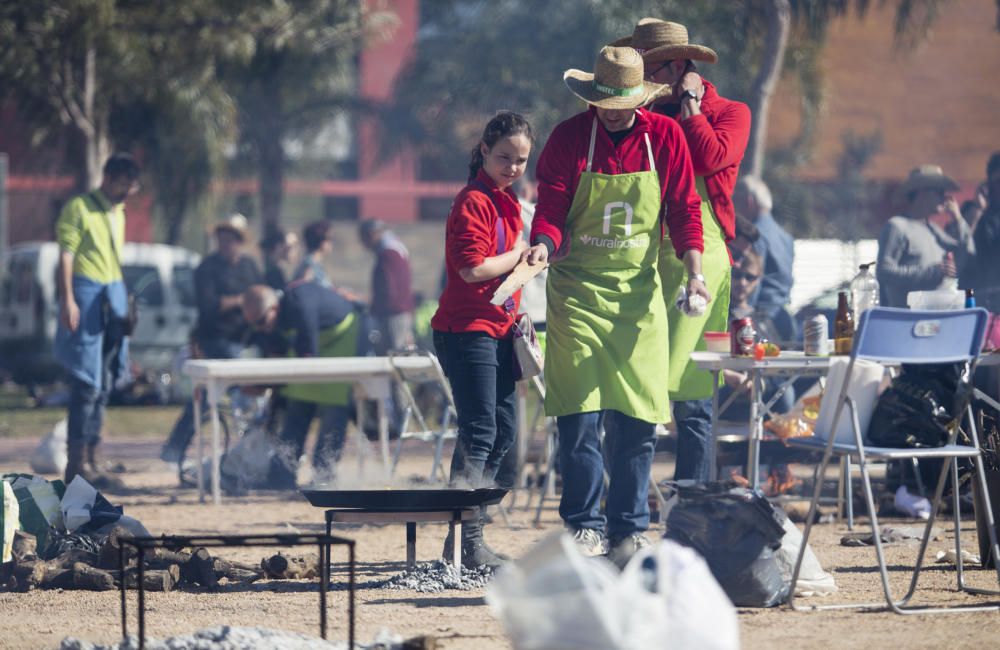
(619, 92)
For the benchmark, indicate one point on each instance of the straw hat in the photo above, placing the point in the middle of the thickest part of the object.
(616, 83)
(235, 223)
(659, 40)
(926, 177)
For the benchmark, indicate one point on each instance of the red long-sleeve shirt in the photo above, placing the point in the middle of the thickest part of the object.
(717, 140)
(471, 236)
(564, 158)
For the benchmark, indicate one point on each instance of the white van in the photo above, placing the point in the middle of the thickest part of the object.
(161, 277)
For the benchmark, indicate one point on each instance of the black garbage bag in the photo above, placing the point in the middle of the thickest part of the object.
(737, 531)
(921, 407)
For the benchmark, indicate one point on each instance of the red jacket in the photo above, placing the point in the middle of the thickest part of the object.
(471, 237)
(717, 139)
(565, 158)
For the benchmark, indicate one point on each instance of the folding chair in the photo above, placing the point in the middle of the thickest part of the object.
(892, 337)
(435, 374)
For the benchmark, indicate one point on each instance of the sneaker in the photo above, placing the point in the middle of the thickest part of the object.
(591, 542)
(623, 549)
(912, 505)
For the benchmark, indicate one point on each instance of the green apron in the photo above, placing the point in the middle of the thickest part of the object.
(341, 340)
(605, 322)
(686, 381)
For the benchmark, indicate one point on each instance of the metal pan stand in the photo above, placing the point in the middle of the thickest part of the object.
(322, 542)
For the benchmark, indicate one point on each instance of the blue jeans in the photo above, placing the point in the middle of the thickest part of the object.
(480, 370)
(183, 431)
(629, 450)
(694, 439)
(87, 403)
(329, 443)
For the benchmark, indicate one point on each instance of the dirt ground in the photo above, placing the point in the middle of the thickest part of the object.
(40, 619)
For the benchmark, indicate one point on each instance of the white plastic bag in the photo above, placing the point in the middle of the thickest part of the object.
(813, 580)
(49, 456)
(863, 389)
(10, 520)
(555, 598)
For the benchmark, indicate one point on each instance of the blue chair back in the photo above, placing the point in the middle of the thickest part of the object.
(920, 336)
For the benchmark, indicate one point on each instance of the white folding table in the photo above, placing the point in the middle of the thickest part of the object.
(371, 377)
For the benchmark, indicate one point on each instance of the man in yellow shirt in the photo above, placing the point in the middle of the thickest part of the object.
(93, 307)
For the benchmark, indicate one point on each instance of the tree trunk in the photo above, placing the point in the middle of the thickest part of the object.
(85, 117)
(270, 175)
(779, 20)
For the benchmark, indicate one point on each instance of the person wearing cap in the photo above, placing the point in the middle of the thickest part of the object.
(308, 319)
(717, 131)
(392, 291)
(91, 339)
(984, 274)
(605, 178)
(924, 248)
(221, 331)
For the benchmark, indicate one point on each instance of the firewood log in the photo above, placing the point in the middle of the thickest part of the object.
(109, 549)
(199, 569)
(88, 577)
(286, 567)
(236, 571)
(24, 546)
(152, 579)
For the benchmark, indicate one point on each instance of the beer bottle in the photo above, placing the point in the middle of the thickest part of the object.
(843, 326)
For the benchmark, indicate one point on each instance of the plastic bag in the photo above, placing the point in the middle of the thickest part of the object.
(38, 504)
(813, 580)
(554, 598)
(737, 531)
(49, 456)
(528, 357)
(865, 380)
(921, 407)
(10, 520)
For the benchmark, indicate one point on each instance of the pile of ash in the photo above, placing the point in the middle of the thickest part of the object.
(431, 577)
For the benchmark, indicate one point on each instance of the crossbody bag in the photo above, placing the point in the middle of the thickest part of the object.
(528, 358)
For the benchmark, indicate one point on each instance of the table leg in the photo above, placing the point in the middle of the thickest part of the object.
(360, 440)
(713, 466)
(199, 472)
(383, 436)
(756, 430)
(411, 544)
(213, 406)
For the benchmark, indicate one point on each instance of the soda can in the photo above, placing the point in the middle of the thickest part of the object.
(742, 337)
(815, 337)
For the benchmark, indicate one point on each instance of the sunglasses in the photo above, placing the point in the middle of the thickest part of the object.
(650, 75)
(743, 275)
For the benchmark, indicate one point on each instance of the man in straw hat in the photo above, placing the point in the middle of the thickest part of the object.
(605, 178)
(221, 331)
(716, 130)
(924, 248)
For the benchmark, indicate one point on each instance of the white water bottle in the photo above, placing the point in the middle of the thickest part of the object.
(864, 290)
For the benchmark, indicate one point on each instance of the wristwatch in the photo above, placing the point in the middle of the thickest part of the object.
(689, 94)
(697, 276)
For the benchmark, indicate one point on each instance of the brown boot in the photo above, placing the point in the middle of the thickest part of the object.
(74, 460)
(96, 477)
